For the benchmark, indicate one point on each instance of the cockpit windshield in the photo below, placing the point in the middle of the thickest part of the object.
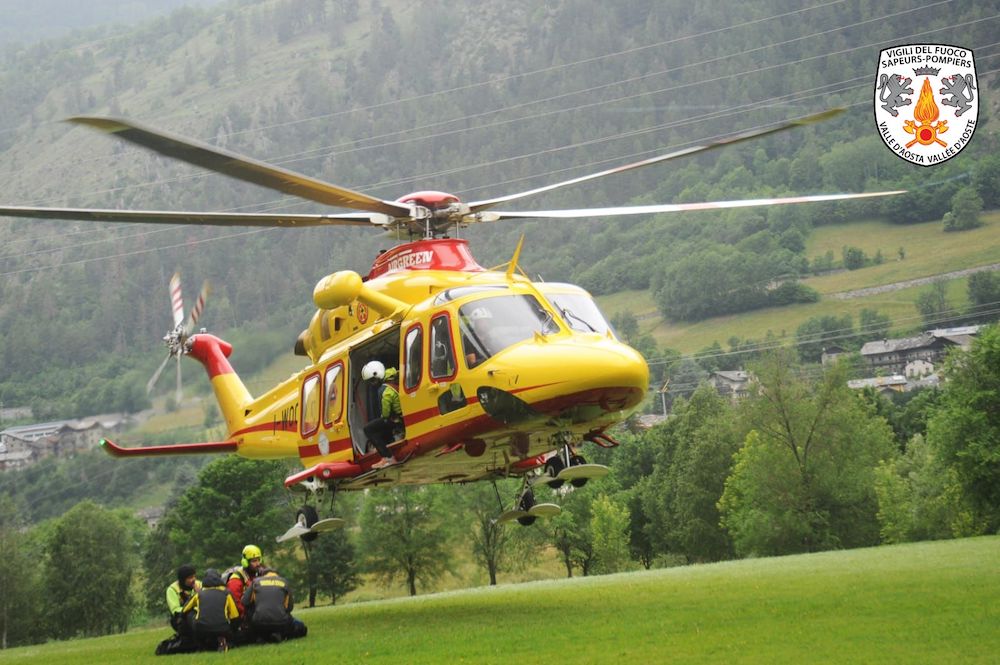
(490, 325)
(579, 311)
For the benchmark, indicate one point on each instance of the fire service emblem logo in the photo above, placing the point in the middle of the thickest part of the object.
(926, 101)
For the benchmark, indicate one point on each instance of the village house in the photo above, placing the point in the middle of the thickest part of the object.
(922, 353)
(882, 384)
(732, 384)
(24, 445)
(832, 354)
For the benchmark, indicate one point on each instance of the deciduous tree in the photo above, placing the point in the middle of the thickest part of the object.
(966, 425)
(804, 479)
(18, 573)
(693, 457)
(332, 566)
(90, 566)
(919, 498)
(497, 547)
(933, 305)
(405, 535)
(609, 522)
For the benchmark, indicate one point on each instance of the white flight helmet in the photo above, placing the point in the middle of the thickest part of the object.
(480, 313)
(373, 370)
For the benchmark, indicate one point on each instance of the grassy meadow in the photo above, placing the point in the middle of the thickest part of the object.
(928, 252)
(922, 602)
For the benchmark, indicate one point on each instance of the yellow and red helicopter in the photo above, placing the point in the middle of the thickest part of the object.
(499, 376)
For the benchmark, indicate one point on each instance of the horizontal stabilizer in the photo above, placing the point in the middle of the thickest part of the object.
(214, 447)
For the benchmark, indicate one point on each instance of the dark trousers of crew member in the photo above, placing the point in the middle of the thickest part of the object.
(381, 433)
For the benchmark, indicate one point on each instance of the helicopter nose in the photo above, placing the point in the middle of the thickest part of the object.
(575, 379)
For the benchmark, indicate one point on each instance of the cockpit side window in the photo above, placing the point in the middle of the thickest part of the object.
(490, 325)
(580, 312)
(442, 350)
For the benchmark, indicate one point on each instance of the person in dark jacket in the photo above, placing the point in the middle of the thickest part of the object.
(212, 612)
(269, 605)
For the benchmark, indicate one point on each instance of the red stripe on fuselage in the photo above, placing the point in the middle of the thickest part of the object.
(420, 416)
(313, 450)
(275, 427)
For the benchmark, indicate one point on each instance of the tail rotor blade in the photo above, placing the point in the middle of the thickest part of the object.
(156, 374)
(176, 300)
(179, 393)
(198, 308)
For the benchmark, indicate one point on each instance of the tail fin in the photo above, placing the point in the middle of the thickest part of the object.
(232, 395)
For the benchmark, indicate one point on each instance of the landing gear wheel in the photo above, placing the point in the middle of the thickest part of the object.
(577, 460)
(307, 516)
(526, 503)
(552, 468)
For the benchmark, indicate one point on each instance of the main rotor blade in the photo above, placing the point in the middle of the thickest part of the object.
(156, 374)
(240, 167)
(736, 138)
(200, 218)
(496, 215)
(176, 299)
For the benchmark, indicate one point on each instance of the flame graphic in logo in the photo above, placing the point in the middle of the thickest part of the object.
(926, 111)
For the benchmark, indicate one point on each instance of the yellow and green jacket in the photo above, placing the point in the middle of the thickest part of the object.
(178, 596)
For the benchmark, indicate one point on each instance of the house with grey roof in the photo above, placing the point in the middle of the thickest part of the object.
(734, 384)
(891, 356)
(883, 384)
(24, 445)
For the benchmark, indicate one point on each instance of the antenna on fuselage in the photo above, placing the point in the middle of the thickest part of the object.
(512, 266)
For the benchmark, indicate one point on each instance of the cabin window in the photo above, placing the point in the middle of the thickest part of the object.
(413, 352)
(334, 394)
(490, 325)
(442, 350)
(310, 405)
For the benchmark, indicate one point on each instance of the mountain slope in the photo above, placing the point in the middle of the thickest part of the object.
(394, 96)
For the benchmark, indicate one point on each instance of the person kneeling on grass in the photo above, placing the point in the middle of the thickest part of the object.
(269, 606)
(212, 612)
(178, 594)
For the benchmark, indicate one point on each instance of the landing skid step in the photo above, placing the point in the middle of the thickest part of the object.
(538, 510)
(322, 526)
(574, 473)
(583, 471)
(329, 524)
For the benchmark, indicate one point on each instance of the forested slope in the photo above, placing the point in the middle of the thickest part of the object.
(390, 96)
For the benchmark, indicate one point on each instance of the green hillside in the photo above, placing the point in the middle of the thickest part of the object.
(481, 100)
(929, 252)
(925, 602)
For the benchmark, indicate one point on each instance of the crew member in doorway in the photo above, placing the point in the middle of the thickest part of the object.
(383, 430)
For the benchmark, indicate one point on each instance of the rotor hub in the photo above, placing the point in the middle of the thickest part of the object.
(433, 213)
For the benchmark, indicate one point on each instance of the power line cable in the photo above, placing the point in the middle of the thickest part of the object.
(293, 157)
